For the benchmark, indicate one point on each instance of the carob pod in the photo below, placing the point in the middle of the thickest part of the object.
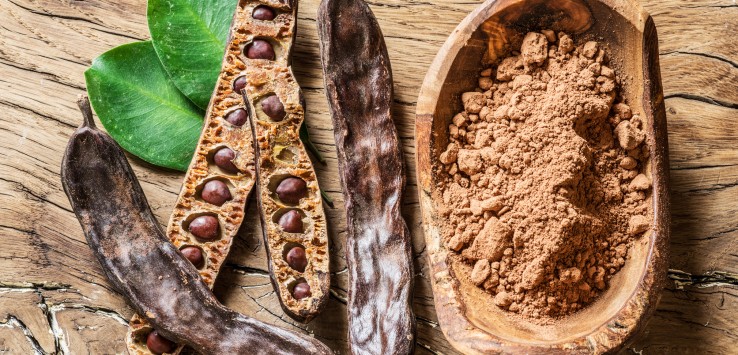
(211, 204)
(212, 201)
(358, 81)
(288, 195)
(151, 273)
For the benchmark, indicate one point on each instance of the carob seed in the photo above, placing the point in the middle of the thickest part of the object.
(223, 159)
(301, 291)
(237, 117)
(297, 259)
(216, 192)
(239, 84)
(291, 222)
(273, 107)
(159, 344)
(194, 255)
(291, 190)
(205, 227)
(264, 13)
(260, 49)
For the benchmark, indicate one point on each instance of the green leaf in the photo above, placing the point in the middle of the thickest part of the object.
(190, 37)
(141, 109)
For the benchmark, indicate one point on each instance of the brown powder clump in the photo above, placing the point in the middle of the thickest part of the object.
(544, 179)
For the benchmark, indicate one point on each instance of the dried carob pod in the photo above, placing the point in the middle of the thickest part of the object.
(289, 198)
(151, 273)
(358, 81)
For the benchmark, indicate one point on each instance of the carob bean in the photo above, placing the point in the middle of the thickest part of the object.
(237, 117)
(223, 159)
(292, 190)
(301, 290)
(239, 84)
(259, 49)
(280, 96)
(263, 12)
(194, 255)
(273, 107)
(159, 344)
(291, 222)
(297, 259)
(358, 81)
(205, 227)
(144, 267)
(216, 192)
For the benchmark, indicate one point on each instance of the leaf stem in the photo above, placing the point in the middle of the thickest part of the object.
(305, 138)
(328, 200)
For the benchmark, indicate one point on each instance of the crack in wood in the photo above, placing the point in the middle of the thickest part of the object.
(708, 279)
(49, 76)
(39, 35)
(60, 345)
(716, 235)
(422, 319)
(36, 286)
(50, 310)
(715, 187)
(427, 348)
(706, 55)
(711, 6)
(703, 167)
(704, 99)
(14, 322)
(50, 15)
(36, 113)
(280, 317)
(246, 270)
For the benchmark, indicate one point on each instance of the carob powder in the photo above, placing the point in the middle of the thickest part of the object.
(544, 179)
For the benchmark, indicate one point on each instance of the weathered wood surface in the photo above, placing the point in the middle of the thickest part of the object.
(54, 297)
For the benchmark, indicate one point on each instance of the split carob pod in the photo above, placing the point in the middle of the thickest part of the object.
(358, 81)
(288, 195)
(212, 201)
(211, 204)
(152, 274)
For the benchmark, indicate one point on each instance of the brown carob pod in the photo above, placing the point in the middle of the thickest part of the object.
(151, 273)
(290, 203)
(358, 81)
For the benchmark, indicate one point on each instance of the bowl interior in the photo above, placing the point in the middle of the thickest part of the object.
(505, 25)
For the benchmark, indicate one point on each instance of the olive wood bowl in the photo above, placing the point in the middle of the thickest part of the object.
(467, 315)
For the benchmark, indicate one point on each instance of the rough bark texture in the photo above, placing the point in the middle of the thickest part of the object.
(359, 86)
(55, 298)
(141, 263)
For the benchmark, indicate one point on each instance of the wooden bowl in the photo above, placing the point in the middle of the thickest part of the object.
(629, 35)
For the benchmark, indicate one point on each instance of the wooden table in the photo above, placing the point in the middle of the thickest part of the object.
(54, 297)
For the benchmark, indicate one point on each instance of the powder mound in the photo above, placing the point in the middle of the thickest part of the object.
(544, 180)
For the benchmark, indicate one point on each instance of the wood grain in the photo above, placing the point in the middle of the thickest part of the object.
(54, 298)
